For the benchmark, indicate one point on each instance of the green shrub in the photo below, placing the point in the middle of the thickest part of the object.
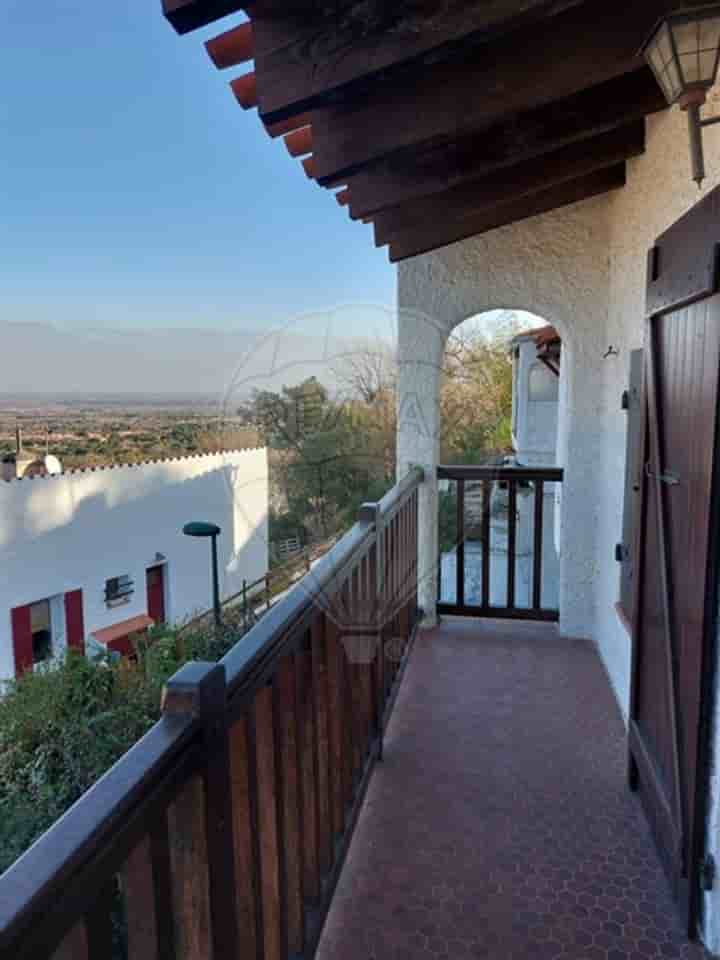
(62, 727)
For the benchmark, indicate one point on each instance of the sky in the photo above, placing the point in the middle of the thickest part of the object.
(135, 192)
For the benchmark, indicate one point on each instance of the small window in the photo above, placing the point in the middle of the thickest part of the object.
(542, 384)
(118, 590)
(41, 631)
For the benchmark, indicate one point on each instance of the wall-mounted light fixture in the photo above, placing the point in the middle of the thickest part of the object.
(683, 52)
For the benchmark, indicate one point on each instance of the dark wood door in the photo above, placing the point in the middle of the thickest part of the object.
(677, 569)
(155, 578)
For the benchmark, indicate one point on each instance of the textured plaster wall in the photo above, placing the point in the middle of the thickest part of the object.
(557, 267)
(78, 529)
(583, 269)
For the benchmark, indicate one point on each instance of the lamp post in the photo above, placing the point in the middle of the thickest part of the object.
(199, 528)
(683, 53)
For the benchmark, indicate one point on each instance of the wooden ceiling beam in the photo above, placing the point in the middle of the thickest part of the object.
(299, 142)
(283, 127)
(187, 15)
(245, 89)
(233, 47)
(432, 237)
(521, 71)
(422, 172)
(510, 183)
(307, 60)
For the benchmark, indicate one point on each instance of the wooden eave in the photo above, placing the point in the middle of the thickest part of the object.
(441, 119)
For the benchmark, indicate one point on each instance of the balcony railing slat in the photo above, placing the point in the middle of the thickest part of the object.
(74, 945)
(289, 808)
(538, 543)
(460, 550)
(336, 728)
(307, 763)
(324, 777)
(274, 922)
(99, 922)
(485, 571)
(140, 906)
(244, 854)
(189, 872)
(162, 886)
(255, 937)
(511, 553)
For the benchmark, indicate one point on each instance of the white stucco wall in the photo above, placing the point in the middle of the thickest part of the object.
(534, 421)
(78, 529)
(582, 268)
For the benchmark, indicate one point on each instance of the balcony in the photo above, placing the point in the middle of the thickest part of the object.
(255, 819)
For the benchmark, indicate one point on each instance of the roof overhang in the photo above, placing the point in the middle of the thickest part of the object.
(444, 119)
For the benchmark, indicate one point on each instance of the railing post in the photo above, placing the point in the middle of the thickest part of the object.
(370, 513)
(199, 689)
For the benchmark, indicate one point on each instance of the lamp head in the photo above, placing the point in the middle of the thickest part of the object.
(200, 528)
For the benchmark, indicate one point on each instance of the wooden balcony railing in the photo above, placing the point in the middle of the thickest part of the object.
(222, 832)
(471, 528)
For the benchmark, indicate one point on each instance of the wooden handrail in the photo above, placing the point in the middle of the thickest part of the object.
(485, 472)
(229, 820)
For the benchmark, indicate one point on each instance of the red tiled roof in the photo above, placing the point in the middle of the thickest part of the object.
(119, 630)
(541, 335)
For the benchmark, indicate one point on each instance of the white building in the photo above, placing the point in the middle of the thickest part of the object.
(94, 556)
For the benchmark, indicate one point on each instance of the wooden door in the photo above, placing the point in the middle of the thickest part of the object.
(155, 579)
(677, 568)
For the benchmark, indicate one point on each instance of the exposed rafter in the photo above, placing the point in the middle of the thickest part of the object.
(310, 61)
(513, 183)
(431, 237)
(522, 137)
(527, 69)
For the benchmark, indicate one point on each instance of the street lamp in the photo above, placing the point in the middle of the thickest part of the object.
(199, 528)
(683, 52)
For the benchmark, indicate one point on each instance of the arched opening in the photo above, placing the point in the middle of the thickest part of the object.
(497, 506)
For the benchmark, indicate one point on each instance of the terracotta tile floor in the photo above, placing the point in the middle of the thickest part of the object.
(499, 824)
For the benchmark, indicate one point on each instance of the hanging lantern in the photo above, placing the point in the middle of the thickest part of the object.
(683, 53)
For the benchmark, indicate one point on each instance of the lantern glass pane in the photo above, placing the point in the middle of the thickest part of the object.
(663, 44)
(690, 67)
(709, 33)
(673, 82)
(656, 61)
(707, 66)
(687, 37)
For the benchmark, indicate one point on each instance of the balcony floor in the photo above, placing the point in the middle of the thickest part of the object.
(499, 824)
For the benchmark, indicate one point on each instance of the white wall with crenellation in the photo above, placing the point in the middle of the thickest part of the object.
(78, 529)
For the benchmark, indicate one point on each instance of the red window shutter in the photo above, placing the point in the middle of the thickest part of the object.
(22, 639)
(74, 622)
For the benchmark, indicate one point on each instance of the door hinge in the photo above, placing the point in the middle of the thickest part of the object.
(625, 400)
(707, 872)
(621, 552)
(669, 478)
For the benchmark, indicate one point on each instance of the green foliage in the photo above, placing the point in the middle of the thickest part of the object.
(60, 729)
(63, 726)
(447, 519)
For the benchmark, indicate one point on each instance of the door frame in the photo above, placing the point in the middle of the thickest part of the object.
(680, 274)
(163, 564)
